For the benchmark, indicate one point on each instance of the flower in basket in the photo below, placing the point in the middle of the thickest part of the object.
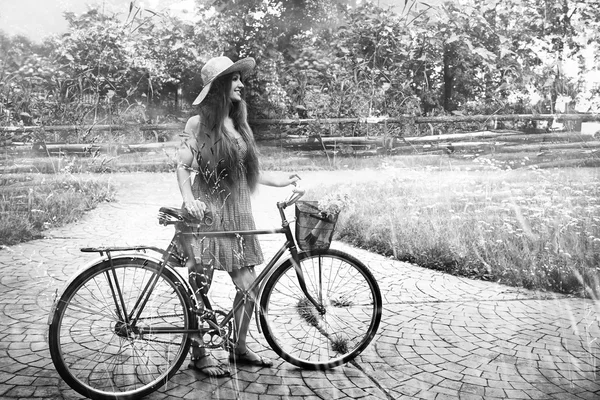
(331, 205)
(329, 208)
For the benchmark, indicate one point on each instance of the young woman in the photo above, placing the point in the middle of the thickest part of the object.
(222, 152)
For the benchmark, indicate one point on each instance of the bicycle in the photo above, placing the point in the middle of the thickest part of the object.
(122, 326)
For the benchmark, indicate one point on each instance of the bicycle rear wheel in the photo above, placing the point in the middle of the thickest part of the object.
(351, 314)
(97, 353)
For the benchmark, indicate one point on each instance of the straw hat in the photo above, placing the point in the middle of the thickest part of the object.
(219, 66)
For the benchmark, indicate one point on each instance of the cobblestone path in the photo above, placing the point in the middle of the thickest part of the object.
(441, 337)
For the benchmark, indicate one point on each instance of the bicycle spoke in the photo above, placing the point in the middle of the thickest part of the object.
(96, 351)
(339, 328)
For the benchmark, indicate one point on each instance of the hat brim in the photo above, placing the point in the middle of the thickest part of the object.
(242, 66)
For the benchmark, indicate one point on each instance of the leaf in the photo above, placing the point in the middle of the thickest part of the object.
(549, 82)
(484, 53)
(504, 86)
(453, 38)
(505, 51)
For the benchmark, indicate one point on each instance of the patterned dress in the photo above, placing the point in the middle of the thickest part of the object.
(232, 213)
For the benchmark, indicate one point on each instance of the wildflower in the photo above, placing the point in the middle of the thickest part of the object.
(333, 204)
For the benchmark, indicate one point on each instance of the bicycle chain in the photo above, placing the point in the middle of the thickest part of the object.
(161, 316)
(213, 345)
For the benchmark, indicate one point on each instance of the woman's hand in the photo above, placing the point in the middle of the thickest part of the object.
(195, 208)
(293, 179)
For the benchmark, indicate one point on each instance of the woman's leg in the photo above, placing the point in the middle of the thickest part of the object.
(200, 278)
(243, 278)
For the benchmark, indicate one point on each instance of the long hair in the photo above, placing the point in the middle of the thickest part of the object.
(218, 148)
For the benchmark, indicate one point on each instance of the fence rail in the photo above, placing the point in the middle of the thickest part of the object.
(573, 146)
(86, 128)
(306, 121)
(435, 120)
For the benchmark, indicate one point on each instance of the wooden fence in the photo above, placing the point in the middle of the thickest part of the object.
(576, 148)
(290, 121)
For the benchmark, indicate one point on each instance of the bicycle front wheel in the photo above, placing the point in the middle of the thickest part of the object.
(347, 322)
(103, 355)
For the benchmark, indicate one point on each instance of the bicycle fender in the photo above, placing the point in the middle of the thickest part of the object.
(287, 259)
(102, 259)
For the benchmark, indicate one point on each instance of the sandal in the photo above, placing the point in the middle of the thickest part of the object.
(212, 368)
(245, 359)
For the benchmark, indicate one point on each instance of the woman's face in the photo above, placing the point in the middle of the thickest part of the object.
(235, 93)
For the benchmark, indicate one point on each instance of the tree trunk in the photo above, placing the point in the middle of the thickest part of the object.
(448, 79)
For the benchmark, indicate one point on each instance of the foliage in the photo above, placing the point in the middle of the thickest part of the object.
(315, 58)
(25, 72)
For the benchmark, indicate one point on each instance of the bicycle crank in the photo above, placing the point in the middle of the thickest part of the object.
(216, 335)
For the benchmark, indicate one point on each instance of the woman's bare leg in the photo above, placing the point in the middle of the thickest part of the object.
(243, 278)
(200, 278)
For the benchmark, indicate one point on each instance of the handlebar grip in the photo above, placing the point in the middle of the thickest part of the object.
(295, 196)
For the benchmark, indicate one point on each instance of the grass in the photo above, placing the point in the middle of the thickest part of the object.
(538, 229)
(499, 220)
(339, 343)
(32, 203)
(307, 311)
(271, 158)
(99, 163)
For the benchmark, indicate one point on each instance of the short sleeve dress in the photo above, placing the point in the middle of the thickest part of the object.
(231, 213)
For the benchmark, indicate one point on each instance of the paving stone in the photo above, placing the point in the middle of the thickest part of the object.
(278, 390)
(297, 390)
(444, 390)
(48, 392)
(494, 392)
(450, 375)
(4, 388)
(469, 396)
(355, 393)
(473, 389)
(20, 392)
(21, 380)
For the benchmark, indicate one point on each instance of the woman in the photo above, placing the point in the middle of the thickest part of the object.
(222, 151)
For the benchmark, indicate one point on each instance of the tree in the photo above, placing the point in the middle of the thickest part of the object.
(26, 80)
(536, 41)
(274, 33)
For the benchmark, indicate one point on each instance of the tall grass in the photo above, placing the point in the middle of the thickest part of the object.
(525, 227)
(32, 203)
(530, 228)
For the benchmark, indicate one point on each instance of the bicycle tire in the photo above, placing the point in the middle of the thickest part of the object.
(99, 359)
(294, 328)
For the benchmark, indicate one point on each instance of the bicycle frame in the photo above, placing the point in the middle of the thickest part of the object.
(130, 317)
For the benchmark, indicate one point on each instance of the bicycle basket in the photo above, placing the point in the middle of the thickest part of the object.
(314, 229)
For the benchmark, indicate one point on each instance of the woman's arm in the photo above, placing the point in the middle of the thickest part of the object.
(277, 180)
(185, 158)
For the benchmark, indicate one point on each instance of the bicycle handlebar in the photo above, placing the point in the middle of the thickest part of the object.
(296, 194)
